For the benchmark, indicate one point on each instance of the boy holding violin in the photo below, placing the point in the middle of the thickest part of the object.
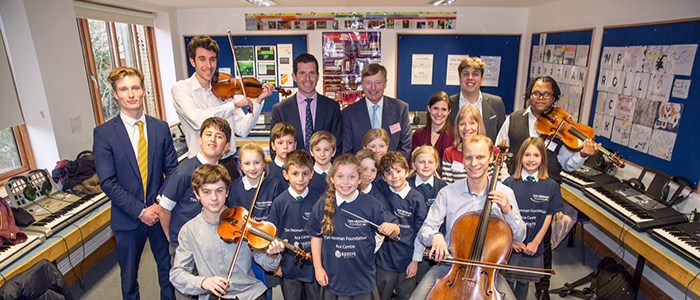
(542, 93)
(462, 197)
(201, 249)
(194, 101)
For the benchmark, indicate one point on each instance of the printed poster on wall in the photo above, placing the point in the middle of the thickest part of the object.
(452, 76)
(285, 58)
(492, 70)
(422, 69)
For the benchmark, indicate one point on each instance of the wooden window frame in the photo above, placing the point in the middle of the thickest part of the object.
(26, 155)
(91, 69)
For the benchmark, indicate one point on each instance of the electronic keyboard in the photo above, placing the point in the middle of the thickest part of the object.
(683, 238)
(50, 218)
(587, 176)
(10, 253)
(635, 207)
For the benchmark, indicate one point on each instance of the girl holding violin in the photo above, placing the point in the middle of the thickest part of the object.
(342, 228)
(201, 249)
(541, 95)
(460, 198)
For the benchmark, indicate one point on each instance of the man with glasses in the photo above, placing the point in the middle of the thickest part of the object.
(541, 94)
(307, 110)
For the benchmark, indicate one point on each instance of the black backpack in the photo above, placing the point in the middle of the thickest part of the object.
(610, 281)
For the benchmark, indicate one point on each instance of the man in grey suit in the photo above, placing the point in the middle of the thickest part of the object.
(307, 110)
(375, 110)
(471, 70)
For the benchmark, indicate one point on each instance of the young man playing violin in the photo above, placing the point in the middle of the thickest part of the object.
(194, 101)
(542, 93)
(201, 249)
(459, 198)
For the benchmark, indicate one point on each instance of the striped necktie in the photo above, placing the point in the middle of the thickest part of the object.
(143, 156)
(309, 126)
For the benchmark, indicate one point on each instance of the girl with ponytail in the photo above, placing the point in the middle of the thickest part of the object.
(342, 241)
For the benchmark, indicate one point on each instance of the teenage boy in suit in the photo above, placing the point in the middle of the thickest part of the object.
(493, 112)
(133, 153)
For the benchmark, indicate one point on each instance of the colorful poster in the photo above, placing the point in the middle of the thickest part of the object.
(285, 58)
(351, 21)
(680, 88)
(669, 116)
(246, 60)
(345, 55)
(625, 108)
(682, 57)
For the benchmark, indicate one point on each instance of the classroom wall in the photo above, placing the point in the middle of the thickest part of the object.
(469, 20)
(574, 14)
(46, 59)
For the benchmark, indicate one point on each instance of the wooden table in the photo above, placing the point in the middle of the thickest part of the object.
(675, 266)
(56, 247)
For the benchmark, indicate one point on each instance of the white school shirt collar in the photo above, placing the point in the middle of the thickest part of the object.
(294, 193)
(339, 200)
(278, 162)
(367, 189)
(524, 174)
(247, 185)
(318, 169)
(403, 192)
(430, 181)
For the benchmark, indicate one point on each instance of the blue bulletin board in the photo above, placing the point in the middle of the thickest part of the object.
(665, 66)
(507, 47)
(582, 37)
(299, 46)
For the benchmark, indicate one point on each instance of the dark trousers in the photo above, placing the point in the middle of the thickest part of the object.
(543, 284)
(230, 164)
(294, 289)
(129, 249)
(388, 282)
(326, 295)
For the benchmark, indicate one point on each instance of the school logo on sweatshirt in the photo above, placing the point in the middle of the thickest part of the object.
(355, 224)
(539, 198)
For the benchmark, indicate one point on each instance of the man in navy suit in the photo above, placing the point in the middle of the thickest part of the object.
(471, 71)
(325, 112)
(376, 111)
(133, 153)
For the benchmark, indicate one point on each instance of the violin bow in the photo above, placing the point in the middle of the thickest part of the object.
(244, 229)
(397, 238)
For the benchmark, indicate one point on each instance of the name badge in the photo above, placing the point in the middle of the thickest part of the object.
(457, 166)
(552, 145)
(395, 128)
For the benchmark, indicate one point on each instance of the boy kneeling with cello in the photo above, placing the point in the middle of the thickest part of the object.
(200, 247)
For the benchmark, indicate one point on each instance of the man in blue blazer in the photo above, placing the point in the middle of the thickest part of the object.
(376, 111)
(325, 112)
(127, 149)
(471, 71)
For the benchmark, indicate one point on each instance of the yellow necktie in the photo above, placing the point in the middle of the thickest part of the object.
(143, 156)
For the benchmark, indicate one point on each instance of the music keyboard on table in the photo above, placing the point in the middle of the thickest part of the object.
(587, 176)
(638, 209)
(75, 208)
(683, 238)
(10, 253)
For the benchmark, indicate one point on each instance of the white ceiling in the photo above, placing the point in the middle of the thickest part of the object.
(336, 3)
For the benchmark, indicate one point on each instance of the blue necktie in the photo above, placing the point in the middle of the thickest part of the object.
(530, 179)
(374, 116)
(309, 129)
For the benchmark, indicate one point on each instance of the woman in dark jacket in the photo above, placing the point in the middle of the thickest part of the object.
(437, 131)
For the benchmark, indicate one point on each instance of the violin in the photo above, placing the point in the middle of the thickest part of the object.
(225, 86)
(556, 121)
(259, 234)
(476, 263)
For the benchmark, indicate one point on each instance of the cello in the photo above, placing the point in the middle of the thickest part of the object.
(476, 263)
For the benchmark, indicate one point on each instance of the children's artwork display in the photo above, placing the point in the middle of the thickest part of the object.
(637, 81)
(351, 21)
(345, 55)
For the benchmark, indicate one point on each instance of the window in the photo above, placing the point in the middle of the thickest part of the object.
(107, 45)
(15, 154)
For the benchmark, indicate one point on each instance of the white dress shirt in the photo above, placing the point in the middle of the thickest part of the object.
(133, 131)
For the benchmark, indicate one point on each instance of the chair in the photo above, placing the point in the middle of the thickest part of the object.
(260, 275)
